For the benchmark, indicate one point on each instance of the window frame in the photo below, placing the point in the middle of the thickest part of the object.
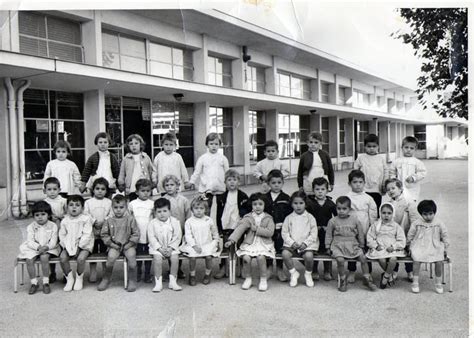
(253, 83)
(342, 137)
(227, 149)
(257, 149)
(304, 87)
(226, 63)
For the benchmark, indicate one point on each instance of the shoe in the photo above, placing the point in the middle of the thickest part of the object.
(415, 287)
(148, 278)
(370, 285)
(106, 278)
(327, 276)
(263, 286)
(351, 277)
(282, 275)
(439, 288)
(192, 280)
(69, 282)
(383, 281)
(93, 275)
(410, 276)
(394, 275)
(79, 281)
(207, 279)
(247, 283)
(294, 278)
(181, 274)
(308, 279)
(132, 280)
(33, 289)
(158, 284)
(391, 281)
(342, 284)
(46, 288)
(315, 275)
(173, 284)
(221, 273)
(52, 278)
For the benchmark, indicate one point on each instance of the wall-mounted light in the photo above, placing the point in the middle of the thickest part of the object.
(313, 111)
(245, 56)
(178, 96)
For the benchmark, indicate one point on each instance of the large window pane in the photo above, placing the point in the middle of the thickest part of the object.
(132, 64)
(132, 47)
(35, 164)
(69, 106)
(113, 109)
(36, 103)
(161, 69)
(32, 24)
(115, 132)
(37, 134)
(160, 53)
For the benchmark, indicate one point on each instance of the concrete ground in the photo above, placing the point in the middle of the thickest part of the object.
(220, 309)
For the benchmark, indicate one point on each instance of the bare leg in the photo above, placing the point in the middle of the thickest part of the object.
(192, 265)
(44, 258)
(438, 268)
(208, 262)
(392, 262)
(30, 267)
(64, 261)
(174, 265)
(288, 259)
(340, 266)
(416, 269)
(81, 261)
(364, 264)
(246, 266)
(308, 260)
(158, 265)
(383, 264)
(262, 265)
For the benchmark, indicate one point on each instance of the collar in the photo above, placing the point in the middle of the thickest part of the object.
(130, 155)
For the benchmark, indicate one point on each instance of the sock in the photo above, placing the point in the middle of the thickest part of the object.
(34, 281)
(208, 271)
(45, 280)
(292, 271)
(366, 275)
(192, 273)
(263, 279)
(308, 272)
(415, 279)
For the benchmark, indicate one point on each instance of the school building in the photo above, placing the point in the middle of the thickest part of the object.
(71, 74)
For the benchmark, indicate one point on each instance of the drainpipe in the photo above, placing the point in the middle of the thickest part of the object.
(21, 146)
(13, 148)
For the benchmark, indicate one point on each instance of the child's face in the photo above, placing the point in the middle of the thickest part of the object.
(343, 210)
(371, 148)
(61, 154)
(162, 214)
(393, 191)
(314, 145)
(357, 184)
(258, 206)
(232, 183)
(275, 183)
(144, 193)
(408, 149)
(320, 192)
(119, 208)
(134, 146)
(74, 208)
(171, 187)
(271, 153)
(386, 214)
(428, 216)
(168, 146)
(41, 217)
(199, 211)
(103, 144)
(298, 205)
(213, 146)
(100, 191)
(51, 190)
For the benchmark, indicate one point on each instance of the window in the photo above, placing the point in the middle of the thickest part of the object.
(325, 133)
(219, 72)
(361, 99)
(381, 102)
(49, 36)
(449, 133)
(171, 62)
(220, 121)
(341, 97)
(362, 132)
(420, 134)
(113, 124)
(291, 85)
(342, 137)
(324, 92)
(255, 78)
(257, 134)
(51, 116)
(123, 52)
(292, 138)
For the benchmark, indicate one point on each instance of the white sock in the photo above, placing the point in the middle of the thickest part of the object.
(292, 271)
(34, 281)
(45, 280)
(309, 273)
(208, 271)
(415, 279)
(192, 273)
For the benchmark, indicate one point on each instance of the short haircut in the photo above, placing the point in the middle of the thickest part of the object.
(103, 182)
(213, 137)
(316, 135)
(119, 199)
(75, 198)
(41, 206)
(410, 139)
(63, 144)
(371, 138)
(387, 205)
(102, 135)
(298, 194)
(170, 178)
(275, 173)
(135, 137)
(320, 181)
(143, 182)
(162, 203)
(232, 173)
(397, 182)
(51, 180)
(344, 200)
(270, 143)
(198, 201)
(356, 174)
(258, 196)
(169, 137)
(427, 206)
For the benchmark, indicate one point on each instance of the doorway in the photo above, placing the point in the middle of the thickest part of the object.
(136, 120)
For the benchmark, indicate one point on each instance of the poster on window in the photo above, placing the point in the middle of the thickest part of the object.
(42, 126)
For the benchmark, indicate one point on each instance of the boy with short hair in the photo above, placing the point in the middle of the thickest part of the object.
(279, 206)
(409, 169)
(270, 162)
(323, 209)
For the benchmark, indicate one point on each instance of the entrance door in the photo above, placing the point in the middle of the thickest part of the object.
(137, 121)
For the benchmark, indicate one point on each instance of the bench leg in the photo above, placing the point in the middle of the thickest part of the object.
(125, 273)
(15, 279)
(443, 281)
(22, 275)
(431, 270)
(450, 268)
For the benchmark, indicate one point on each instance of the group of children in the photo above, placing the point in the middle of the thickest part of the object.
(358, 226)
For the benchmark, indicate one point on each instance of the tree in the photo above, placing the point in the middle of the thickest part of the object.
(439, 38)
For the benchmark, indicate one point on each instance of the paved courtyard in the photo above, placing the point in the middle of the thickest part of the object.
(220, 309)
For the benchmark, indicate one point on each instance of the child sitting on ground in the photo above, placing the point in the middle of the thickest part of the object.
(270, 162)
(386, 241)
(428, 242)
(300, 236)
(164, 237)
(41, 241)
(258, 227)
(345, 238)
(120, 234)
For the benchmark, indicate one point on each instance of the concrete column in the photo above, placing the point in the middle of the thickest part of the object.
(238, 74)
(384, 136)
(271, 78)
(373, 126)
(92, 40)
(94, 118)
(349, 127)
(392, 137)
(384, 104)
(200, 62)
(334, 137)
(315, 122)
(349, 96)
(391, 106)
(201, 128)
(316, 88)
(4, 141)
(240, 117)
(271, 120)
(373, 100)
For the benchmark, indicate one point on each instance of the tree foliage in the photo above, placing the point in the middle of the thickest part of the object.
(439, 38)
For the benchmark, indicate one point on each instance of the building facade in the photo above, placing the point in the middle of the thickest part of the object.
(71, 74)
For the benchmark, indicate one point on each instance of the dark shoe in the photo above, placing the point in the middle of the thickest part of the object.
(33, 289)
(207, 279)
(192, 280)
(370, 285)
(104, 283)
(148, 278)
(52, 278)
(46, 288)
(64, 280)
(181, 274)
(383, 281)
(342, 284)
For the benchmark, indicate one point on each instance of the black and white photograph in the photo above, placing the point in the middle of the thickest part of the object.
(237, 168)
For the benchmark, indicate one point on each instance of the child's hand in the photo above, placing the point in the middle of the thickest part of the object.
(390, 249)
(115, 246)
(98, 225)
(42, 249)
(253, 227)
(197, 248)
(445, 254)
(188, 186)
(295, 246)
(167, 252)
(82, 187)
(329, 252)
(410, 179)
(54, 218)
(128, 245)
(263, 178)
(302, 247)
(379, 248)
(217, 246)
(228, 244)
(331, 188)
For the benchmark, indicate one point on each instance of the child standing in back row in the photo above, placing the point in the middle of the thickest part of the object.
(270, 162)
